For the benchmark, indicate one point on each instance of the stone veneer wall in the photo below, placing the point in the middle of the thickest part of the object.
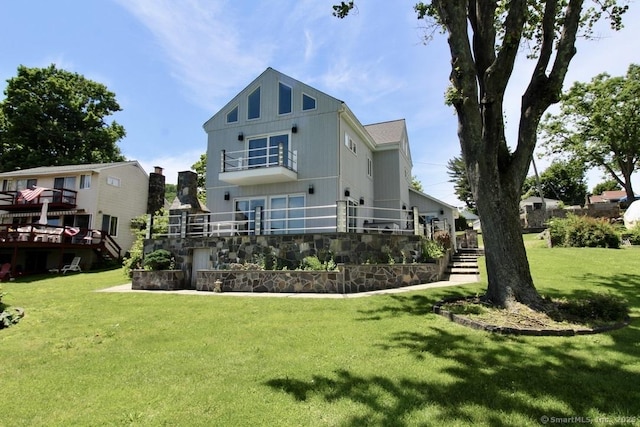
(290, 249)
(348, 279)
(158, 280)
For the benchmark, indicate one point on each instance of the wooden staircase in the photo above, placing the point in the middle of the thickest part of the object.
(463, 266)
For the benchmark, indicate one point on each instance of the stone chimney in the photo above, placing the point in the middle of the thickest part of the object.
(187, 197)
(155, 201)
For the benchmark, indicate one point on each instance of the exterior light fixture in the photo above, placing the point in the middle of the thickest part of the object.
(311, 189)
(226, 195)
(294, 128)
(240, 136)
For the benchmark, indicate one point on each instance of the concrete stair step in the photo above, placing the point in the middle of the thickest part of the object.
(463, 264)
(462, 270)
(464, 278)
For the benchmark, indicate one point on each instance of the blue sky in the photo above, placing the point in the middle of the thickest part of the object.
(174, 63)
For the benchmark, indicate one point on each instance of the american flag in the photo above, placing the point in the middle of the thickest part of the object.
(31, 194)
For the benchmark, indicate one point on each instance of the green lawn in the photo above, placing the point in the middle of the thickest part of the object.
(84, 358)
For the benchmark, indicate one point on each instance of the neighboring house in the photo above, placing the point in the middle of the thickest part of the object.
(473, 220)
(49, 215)
(536, 202)
(290, 153)
(610, 196)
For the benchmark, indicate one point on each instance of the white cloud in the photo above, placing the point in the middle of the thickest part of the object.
(203, 44)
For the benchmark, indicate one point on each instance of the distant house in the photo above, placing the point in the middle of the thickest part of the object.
(281, 154)
(49, 215)
(536, 202)
(610, 196)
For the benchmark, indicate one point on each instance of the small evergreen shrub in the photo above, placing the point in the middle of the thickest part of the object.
(160, 259)
(579, 231)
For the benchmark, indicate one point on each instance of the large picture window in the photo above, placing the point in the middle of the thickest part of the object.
(286, 214)
(245, 215)
(263, 151)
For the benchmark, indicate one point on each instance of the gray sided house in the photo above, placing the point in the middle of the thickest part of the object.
(289, 153)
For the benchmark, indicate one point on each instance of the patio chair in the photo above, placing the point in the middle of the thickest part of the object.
(5, 272)
(74, 266)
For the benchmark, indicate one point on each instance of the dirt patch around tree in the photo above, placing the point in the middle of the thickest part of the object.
(519, 319)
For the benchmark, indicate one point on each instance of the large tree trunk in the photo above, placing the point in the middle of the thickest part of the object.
(479, 77)
(508, 270)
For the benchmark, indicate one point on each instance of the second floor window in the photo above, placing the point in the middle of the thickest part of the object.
(67, 182)
(284, 98)
(112, 180)
(308, 102)
(253, 105)
(85, 181)
(264, 151)
(232, 116)
(23, 184)
(350, 143)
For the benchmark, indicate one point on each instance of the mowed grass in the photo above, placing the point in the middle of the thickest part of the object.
(81, 357)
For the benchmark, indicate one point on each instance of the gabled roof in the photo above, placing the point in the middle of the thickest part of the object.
(53, 170)
(440, 202)
(254, 83)
(387, 132)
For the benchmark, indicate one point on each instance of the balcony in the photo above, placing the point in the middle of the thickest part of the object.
(262, 165)
(32, 200)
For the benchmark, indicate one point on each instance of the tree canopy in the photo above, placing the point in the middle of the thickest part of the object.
(200, 167)
(458, 176)
(485, 38)
(608, 185)
(562, 180)
(53, 117)
(599, 125)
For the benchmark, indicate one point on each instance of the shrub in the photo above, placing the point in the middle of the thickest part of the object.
(432, 249)
(159, 259)
(7, 317)
(579, 231)
(596, 308)
(633, 235)
(133, 259)
(313, 263)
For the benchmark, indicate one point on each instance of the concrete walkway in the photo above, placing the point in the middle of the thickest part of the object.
(470, 279)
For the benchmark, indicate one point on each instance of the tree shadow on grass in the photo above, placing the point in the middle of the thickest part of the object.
(475, 378)
(418, 304)
(626, 285)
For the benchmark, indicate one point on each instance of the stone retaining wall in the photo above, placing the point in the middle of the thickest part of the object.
(348, 279)
(157, 280)
(290, 249)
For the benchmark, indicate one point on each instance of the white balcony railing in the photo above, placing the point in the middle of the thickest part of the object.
(340, 217)
(258, 165)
